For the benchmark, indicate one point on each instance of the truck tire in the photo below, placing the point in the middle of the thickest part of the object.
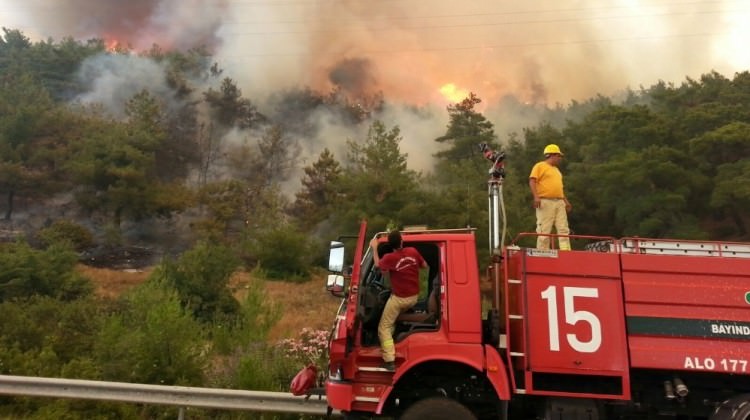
(736, 408)
(437, 408)
(354, 415)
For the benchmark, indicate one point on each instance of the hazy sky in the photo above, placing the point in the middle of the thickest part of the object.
(423, 51)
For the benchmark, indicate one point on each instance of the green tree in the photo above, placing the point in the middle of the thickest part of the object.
(229, 108)
(466, 130)
(14, 51)
(722, 155)
(152, 339)
(257, 171)
(28, 142)
(633, 151)
(461, 171)
(201, 277)
(26, 272)
(223, 204)
(313, 202)
(732, 195)
(115, 166)
(376, 183)
(282, 252)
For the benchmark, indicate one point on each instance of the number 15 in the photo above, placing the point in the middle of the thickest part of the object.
(572, 317)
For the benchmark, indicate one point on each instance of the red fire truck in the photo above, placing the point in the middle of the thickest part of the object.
(628, 328)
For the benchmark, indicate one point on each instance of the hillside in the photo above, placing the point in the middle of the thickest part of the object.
(304, 305)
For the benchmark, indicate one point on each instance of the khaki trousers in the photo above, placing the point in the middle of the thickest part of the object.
(551, 212)
(393, 308)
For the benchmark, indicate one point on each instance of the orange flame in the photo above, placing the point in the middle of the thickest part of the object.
(111, 44)
(453, 93)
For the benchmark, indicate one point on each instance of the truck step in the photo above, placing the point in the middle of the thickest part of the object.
(372, 369)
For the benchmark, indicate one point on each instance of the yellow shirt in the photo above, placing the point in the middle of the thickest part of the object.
(549, 180)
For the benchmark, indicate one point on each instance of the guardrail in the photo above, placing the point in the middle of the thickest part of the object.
(179, 396)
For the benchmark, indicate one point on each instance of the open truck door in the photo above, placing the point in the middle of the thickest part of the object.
(343, 332)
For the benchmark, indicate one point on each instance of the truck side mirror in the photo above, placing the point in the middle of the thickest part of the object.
(335, 284)
(336, 257)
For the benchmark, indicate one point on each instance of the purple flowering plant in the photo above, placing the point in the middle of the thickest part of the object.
(311, 346)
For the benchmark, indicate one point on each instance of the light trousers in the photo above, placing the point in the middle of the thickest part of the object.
(393, 308)
(551, 212)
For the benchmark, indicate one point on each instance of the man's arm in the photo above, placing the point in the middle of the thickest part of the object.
(375, 256)
(568, 206)
(532, 185)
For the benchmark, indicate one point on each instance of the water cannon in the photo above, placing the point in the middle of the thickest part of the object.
(495, 198)
(497, 171)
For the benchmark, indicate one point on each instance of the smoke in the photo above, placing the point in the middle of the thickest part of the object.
(113, 80)
(354, 76)
(138, 24)
(543, 51)
(419, 56)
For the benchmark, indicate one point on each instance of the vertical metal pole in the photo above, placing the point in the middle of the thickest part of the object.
(181, 414)
(494, 197)
(494, 215)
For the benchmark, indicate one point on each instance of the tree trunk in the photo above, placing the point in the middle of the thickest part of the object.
(739, 222)
(9, 212)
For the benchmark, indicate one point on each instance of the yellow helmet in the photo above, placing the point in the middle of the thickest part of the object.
(552, 149)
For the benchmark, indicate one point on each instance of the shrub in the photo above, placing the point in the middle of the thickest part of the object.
(201, 277)
(152, 340)
(67, 232)
(283, 252)
(26, 272)
(256, 317)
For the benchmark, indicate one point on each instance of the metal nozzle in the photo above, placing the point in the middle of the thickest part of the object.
(680, 388)
(669, 390)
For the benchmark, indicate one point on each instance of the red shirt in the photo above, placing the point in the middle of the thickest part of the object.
(403, 265)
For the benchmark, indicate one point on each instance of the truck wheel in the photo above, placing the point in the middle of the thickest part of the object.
(437, 408)
(354, 415)
(736, 408)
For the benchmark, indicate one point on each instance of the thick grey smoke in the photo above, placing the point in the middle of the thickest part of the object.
(114, 79)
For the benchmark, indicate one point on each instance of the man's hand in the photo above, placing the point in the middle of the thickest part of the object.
(374, 244)
(568, 206)
(537, 202)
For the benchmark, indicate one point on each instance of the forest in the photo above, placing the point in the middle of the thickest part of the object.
(195, 172)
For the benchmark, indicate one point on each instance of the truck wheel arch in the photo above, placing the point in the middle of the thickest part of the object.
(497, 373)
(416, 368)
(437, 408)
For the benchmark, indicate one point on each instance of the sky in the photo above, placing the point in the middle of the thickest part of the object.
(425, 53)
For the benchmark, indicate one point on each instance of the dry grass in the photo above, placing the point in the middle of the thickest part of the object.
(112, 283)
(303, 305)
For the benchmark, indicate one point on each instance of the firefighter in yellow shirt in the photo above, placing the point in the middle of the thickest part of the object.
(546, 183)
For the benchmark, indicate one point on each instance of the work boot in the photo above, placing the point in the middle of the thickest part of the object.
(389, 366)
